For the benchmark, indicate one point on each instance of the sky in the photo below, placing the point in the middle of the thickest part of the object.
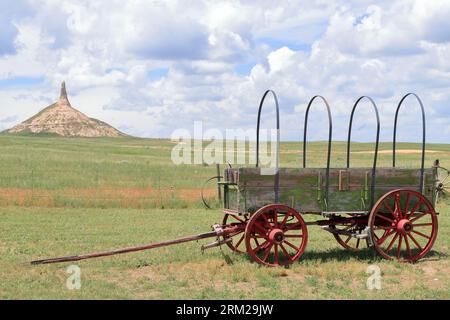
(151, 67)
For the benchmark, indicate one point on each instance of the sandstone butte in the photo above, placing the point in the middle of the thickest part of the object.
(63, 120)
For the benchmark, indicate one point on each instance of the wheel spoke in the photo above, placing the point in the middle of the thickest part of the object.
(265, 219)
(387, 206)
(357, 243)
(258, 236)
(398, 209)
(407, 247)
(408, 195)
(291, 245)
(238, 235)
(256, 241)
(391, 243)
(233, 234)
(385, 218)
(260, 247)
(240, 241)
(286, 216)
(292, 226)
(285, 252)
(418, 217)
(275, 218)
(267, 253)
(260, 227)
(348, 239)
(385, 236)
(385, 233)
(415, 241)
(421, 234)
(399, 248)
(422, 224)
(415, 208)
(276, 253)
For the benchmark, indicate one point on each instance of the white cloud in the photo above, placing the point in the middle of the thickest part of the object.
(109, 53)
(280, 59)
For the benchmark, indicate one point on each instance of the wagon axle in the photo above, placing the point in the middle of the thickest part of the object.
(276, 236)
(404, 226)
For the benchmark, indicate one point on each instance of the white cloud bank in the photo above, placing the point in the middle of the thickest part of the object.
(150, 67)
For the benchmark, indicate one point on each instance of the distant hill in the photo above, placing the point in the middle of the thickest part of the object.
(63, 120)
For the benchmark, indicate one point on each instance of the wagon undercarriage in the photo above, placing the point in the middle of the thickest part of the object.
(404, 231)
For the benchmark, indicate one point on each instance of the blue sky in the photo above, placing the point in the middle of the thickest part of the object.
(151, 67)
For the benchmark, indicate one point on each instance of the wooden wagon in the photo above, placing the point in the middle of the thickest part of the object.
(390, 209)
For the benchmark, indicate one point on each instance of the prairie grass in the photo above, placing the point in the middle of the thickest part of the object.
(326, 271)
(138, 173)
(69, 196)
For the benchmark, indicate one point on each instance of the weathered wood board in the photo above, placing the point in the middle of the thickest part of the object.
(305, 189)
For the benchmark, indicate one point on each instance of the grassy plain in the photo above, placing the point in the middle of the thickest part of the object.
(68, 196)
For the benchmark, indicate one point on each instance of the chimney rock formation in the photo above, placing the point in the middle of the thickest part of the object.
(62, 119)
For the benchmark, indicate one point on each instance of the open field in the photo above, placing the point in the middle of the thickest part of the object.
(138, 173)
(69, 196)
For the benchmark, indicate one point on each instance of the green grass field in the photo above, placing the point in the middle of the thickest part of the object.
(69, 196)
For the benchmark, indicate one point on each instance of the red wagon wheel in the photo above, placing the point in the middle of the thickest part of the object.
(238, 243)
(404, 225)
(276, 235)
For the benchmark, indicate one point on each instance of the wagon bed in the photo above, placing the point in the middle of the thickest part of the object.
(247, 189)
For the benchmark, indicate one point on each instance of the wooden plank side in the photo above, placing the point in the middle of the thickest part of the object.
(354, 196)
(401, 178)
(287, 177)
(303, 200)
(231, 196)
(300, 188)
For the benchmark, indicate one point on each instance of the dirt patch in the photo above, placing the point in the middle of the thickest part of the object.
(428, 270)
(106, 197)
(149, 272)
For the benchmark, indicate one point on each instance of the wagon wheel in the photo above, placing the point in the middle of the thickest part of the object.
(348, 242)
(276, 235)
(443, 184)
(206, 203)
(238, 243)
(403, 225)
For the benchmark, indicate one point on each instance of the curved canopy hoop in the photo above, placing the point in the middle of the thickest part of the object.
(277, 160)
(394, 145)
(374, 167)
(330, 136)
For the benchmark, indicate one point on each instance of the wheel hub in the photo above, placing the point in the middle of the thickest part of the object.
(276, 236)
(404, 226)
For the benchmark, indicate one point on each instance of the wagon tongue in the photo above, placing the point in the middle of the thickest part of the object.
(217, 232)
